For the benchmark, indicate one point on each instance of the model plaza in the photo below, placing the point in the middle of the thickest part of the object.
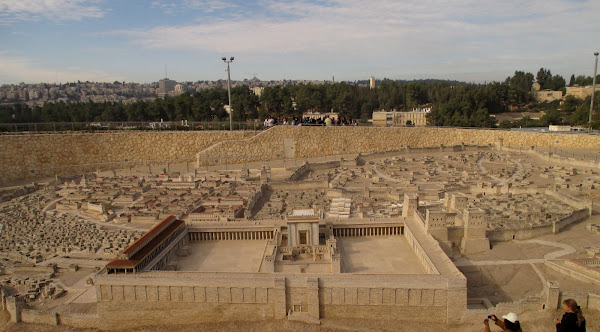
(301, 246)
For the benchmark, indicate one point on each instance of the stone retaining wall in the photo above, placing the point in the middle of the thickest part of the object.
(310, 142)
(564, 269)
(78, 320)
(500, 235)
(30, 156)
(160, 299)
(39, 317)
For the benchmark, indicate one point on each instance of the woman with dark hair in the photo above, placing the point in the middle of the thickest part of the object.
(509, 322)
(572, 320)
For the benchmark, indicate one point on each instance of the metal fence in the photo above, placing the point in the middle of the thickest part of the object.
(198, 125)
(146, 125)
(575, 154)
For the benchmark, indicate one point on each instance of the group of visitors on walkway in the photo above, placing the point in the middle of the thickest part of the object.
(293, 121)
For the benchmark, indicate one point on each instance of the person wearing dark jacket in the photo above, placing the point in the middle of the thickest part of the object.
(572, 320)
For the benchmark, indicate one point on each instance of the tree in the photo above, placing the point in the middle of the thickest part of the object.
(581, 115)
(547, 81)
(571, 104)
(542, 77)
(583, 80)
(572, 80)
(552, 117)
(519, 87)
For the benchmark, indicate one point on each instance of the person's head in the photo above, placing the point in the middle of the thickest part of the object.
(570, 305)
(511, 322)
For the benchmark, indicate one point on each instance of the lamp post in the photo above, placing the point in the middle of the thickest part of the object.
(593, 89)
(229, 89)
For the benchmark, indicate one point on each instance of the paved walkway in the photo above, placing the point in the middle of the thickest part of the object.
(565, 250)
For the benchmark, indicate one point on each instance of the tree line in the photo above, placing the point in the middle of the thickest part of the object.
(454, 103)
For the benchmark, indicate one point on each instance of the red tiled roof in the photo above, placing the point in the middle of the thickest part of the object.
(141, 248)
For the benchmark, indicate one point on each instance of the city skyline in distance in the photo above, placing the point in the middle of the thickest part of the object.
(472, 41)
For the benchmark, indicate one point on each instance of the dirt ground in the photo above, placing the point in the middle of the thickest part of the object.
(506, 283)
(512, 251)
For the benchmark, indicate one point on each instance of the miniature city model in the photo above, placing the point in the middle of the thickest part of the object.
(405, 235)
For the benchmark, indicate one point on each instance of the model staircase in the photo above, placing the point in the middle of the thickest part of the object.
(301, 317)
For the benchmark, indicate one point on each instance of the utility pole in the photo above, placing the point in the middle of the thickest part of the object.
(229, 90)
(593, 89)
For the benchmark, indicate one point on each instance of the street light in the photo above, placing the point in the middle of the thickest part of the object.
(229, 89)
(593, 89)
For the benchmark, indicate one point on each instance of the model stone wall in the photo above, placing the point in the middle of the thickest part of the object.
(310, 142)
(500, 235)
(39, 317)
(38, 155)
(50, 154)
(78, 320)
(425, 261)
(428, 305)
(159, 299)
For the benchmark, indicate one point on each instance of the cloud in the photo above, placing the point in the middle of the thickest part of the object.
(206, 6)
(209, 5)
(14, 69)
(12, 11)
(462, 35)
(379, 24)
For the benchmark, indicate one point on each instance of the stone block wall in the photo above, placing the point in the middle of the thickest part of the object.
(594, 301)
(78, 320)
(310, 142)
(573, 273)
(162, 302)
(3, 298)
(162, 298)
(39, 317)
(427, 305)
(30, 156)
(500, 235)
(39, 155)
(425, 261)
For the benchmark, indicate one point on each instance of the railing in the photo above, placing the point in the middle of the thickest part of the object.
(201, 125)
(565, 153)
(138, 125)
(128, 125)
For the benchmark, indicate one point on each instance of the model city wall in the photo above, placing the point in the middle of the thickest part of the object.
(34, 156)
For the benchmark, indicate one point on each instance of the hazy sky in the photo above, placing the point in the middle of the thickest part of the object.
(132, 40)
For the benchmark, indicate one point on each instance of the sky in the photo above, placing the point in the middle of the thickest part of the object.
(133, 40)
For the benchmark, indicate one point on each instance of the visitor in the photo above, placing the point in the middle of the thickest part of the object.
(510, 322)
(328, 122)
(572, 320)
